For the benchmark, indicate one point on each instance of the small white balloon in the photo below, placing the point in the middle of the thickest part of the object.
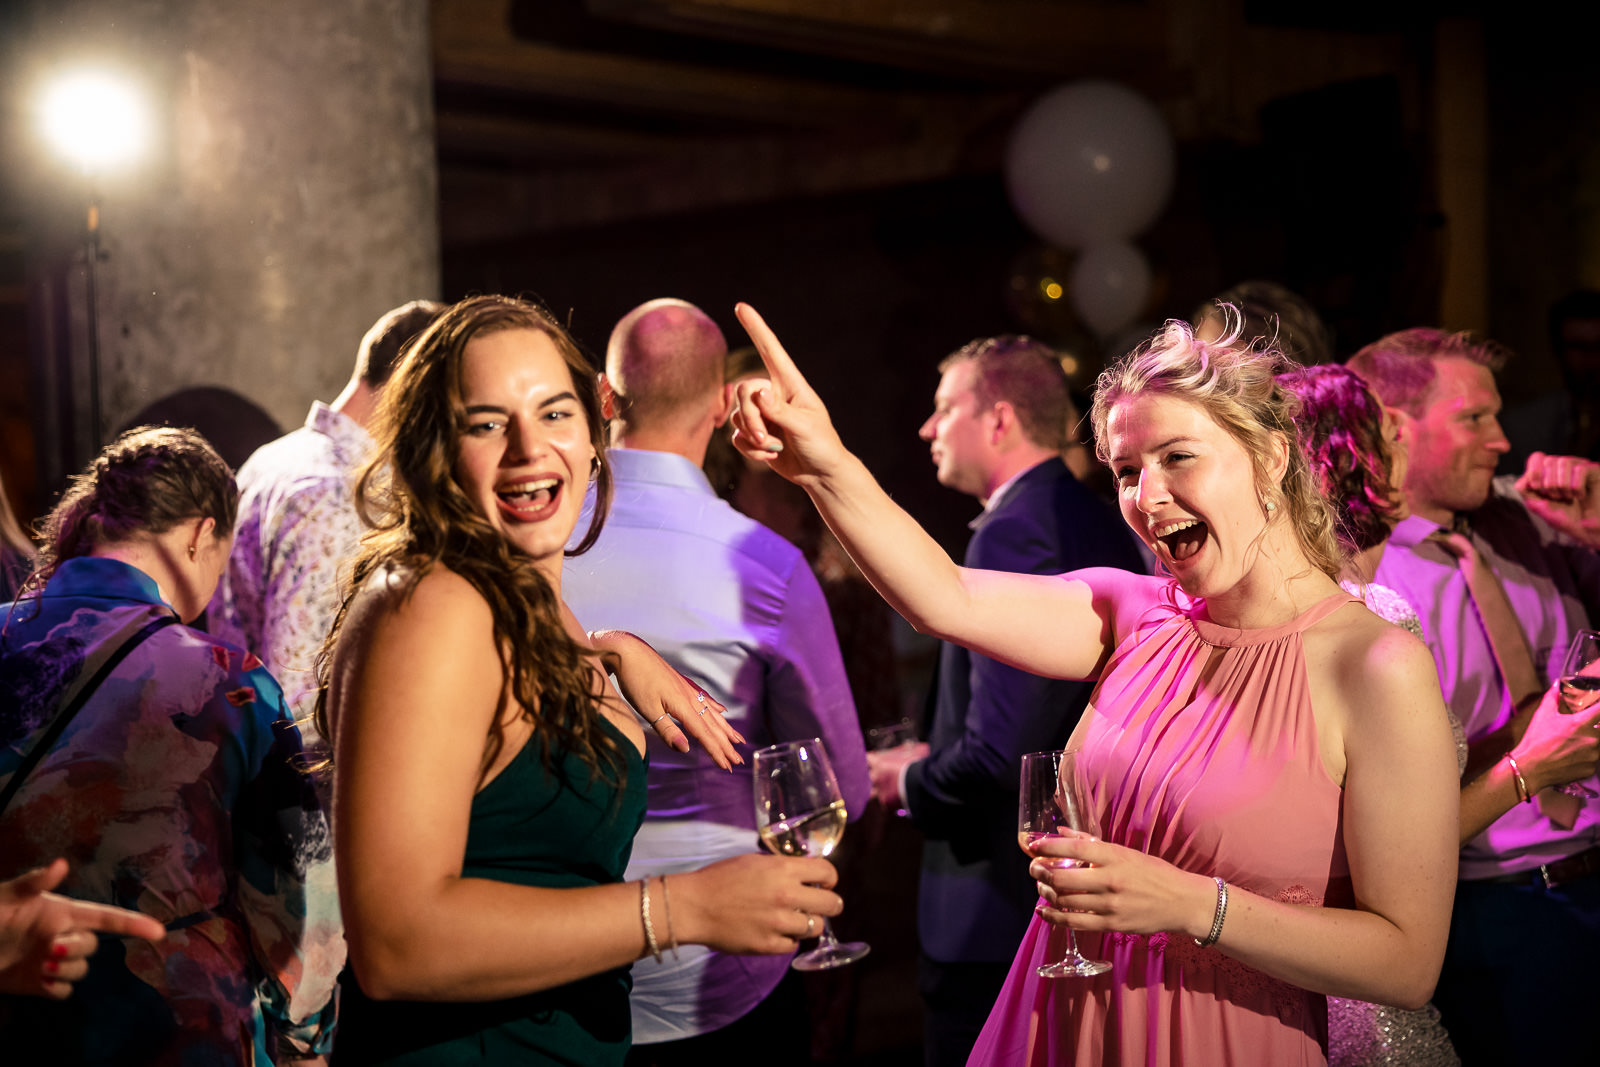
(1109, 286)
(1089, 162)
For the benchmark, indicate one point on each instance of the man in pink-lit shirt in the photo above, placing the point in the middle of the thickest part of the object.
(1517, 983)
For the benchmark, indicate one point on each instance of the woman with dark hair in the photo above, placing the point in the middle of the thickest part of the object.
(162, 765)
(1253, 727)
(488, 781)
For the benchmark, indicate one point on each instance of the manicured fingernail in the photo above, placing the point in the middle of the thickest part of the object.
(51, 967)
(58, 950)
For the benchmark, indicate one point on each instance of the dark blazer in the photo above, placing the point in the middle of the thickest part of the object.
(976, 897)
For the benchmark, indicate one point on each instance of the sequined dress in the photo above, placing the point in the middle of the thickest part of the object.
(1372, 1035)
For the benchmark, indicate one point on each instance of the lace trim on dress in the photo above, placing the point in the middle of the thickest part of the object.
(1287, 1000)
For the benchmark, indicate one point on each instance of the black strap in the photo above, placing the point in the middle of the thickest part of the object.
(65, 716)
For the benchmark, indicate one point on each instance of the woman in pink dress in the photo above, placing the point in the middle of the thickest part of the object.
(1270, 762)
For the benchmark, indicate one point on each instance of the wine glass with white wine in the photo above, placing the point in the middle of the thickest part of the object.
(800, 812)
(1580, 688)
(1052, 801)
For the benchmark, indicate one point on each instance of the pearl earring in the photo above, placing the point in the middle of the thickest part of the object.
(1271, 506)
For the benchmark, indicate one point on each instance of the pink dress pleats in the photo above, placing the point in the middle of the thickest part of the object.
(1203, 751)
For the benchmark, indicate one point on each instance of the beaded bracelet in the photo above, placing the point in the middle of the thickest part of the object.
(1520, 782)
(1216, 921)
(644, 915)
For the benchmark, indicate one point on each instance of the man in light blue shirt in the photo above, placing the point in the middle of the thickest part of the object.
(736, 608)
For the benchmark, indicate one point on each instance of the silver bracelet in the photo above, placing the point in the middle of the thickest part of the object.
(644, 915)
(1216, 920)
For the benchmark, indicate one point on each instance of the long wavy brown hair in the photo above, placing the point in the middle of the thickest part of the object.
(421, 519)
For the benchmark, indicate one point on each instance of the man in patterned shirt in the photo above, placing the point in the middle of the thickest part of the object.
(298, 528)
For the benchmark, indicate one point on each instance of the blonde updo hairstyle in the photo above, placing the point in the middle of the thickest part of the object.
(1236, 385)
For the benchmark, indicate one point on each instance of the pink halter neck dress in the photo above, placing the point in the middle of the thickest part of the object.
(1202, 751)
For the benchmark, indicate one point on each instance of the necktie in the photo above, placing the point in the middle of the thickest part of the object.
(1510, 647)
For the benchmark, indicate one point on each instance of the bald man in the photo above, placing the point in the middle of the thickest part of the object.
(735, 607)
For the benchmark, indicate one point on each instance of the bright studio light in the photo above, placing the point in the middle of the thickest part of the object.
(93, 119)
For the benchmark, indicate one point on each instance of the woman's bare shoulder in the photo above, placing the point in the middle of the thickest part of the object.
(396, 600)
(1373, 660)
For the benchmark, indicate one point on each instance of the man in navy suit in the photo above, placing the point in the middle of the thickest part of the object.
(1002, 418)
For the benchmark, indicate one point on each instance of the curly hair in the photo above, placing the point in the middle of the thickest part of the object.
(150, 479)
(1236, 385)
(421, 518)
(1341, 425)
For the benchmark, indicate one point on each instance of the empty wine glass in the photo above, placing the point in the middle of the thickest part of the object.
(895, 735)
(800, 812)
(1052, 801)
(1580, 688)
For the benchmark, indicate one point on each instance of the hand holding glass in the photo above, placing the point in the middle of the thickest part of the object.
(1580, 688)
(800, 812)
(1051, 801)
(895, 735)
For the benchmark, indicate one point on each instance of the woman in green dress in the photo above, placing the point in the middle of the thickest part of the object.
(488, 781)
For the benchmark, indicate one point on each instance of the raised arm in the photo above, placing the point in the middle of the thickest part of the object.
(417, 683)
(1399, 819)
(1060, 627)
(1564, 491)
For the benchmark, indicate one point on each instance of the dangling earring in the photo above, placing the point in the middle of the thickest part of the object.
(594, 467)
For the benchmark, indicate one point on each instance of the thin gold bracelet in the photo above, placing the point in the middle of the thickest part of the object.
(644, 915)
(666, 906)
(1520, 782)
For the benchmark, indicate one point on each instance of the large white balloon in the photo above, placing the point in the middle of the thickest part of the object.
(1089, 162)
(1109, 286)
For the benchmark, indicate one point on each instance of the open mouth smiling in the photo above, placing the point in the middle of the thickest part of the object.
(1181, 537)
(530, 499)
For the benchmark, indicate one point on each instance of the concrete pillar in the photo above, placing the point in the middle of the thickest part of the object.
(288, 197)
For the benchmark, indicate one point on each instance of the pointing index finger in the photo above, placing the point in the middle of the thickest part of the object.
(786, 377)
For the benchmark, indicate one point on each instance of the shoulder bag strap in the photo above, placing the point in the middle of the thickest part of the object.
(70, 710)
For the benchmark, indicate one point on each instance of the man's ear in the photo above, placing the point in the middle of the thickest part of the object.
(1005, 421)
(1403, 428)
(726, 401)
(608, 397)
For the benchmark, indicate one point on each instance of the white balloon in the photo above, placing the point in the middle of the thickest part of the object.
(1089, 162)
(1109, 286)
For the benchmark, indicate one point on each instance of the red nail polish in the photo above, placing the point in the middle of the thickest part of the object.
(58, 951)
(51, 967)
